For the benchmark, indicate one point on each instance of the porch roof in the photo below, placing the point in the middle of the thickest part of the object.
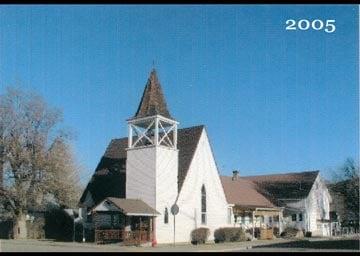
(129, 207)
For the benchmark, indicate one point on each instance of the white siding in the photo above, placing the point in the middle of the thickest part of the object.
(166, 191)
(151, 175)
(202, 170)
(140, 174)
(317, 206)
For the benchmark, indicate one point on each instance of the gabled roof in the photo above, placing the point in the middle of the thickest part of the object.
(131, 207)
(110, 175)
(243, 192)
(285, 186)
(153, 100)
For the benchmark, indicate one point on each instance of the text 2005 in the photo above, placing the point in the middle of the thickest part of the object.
(328, 26)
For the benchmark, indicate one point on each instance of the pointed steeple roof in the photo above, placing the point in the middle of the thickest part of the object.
(153, 100)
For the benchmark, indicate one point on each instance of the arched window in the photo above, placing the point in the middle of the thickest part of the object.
(166, 216)
(203, 205)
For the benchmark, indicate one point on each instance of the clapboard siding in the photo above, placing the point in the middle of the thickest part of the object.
(166, 190)
(318, 207)
(202, 171)
(141, 175)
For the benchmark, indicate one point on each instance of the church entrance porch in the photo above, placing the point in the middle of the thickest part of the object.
(137, 230)
(127, 221)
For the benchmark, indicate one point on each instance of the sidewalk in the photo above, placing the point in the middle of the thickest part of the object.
(52, 246)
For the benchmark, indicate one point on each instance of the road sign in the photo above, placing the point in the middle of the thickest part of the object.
(174, 209)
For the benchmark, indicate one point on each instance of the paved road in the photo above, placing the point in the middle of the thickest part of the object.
(278, 245)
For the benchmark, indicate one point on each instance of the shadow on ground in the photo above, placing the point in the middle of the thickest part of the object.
(352, 244)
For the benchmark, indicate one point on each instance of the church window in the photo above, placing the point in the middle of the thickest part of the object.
(203, 205)
(293, 217)
(166, 216)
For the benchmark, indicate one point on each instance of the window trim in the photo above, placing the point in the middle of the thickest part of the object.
(203, 206)
(166, 216)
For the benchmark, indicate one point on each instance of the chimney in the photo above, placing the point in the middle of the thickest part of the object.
(235, 175)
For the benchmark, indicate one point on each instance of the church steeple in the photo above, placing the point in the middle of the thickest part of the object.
(152, 101)
(152, 124)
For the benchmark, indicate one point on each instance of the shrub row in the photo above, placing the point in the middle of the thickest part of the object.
(200, 235)
(228, 234)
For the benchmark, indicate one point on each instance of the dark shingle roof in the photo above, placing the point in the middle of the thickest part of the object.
(285, 186)
(243, 192)
(110, 175)
(153, 100)
(132, 206)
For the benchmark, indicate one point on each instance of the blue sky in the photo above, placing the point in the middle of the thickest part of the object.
(272, 100)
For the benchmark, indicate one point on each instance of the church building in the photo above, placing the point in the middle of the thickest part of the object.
(156, 168)
(160, 183)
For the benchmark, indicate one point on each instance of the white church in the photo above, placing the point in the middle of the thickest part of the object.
(158, 170)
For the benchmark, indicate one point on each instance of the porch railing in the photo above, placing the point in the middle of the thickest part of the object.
(117, 235)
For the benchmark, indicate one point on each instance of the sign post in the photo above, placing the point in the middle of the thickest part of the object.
(174, 210)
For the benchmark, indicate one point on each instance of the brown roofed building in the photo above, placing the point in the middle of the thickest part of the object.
(243, 192)
(157, 165)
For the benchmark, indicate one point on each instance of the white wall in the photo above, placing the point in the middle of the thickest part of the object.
(314, 207)
(151, 175)
(166, 191)
(140, 174)
(317, 206)
(202, 170)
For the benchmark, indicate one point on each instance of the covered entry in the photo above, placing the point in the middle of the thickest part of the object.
(263, 222)
(130, 221)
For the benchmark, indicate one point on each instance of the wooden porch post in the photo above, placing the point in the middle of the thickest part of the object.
(253, 228)
(139, 230)
(154, 242)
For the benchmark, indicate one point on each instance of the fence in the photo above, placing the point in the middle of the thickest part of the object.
(117, 235)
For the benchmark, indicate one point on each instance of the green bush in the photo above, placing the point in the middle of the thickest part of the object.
(229, 235)
(200, 235)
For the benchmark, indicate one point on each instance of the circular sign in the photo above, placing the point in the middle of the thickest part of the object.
(174, 209)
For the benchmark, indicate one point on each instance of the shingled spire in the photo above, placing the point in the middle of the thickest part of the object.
(153, 100)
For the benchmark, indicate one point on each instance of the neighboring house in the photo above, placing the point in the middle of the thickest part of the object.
(251, 209)
(160, 165)
(304, 196)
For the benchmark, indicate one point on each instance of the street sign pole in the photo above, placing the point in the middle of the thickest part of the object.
(174, 230)
(174, 211)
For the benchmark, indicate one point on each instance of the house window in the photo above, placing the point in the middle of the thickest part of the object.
(166, 216)
(293, 217)
(203, 205)
(270, 219)
(246, 219)
(300, 217)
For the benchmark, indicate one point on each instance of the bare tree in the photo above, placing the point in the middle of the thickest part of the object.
(346, 182)
(35, 154)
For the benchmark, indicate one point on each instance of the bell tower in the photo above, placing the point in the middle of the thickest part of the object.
(152, 155)
(152, 124)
